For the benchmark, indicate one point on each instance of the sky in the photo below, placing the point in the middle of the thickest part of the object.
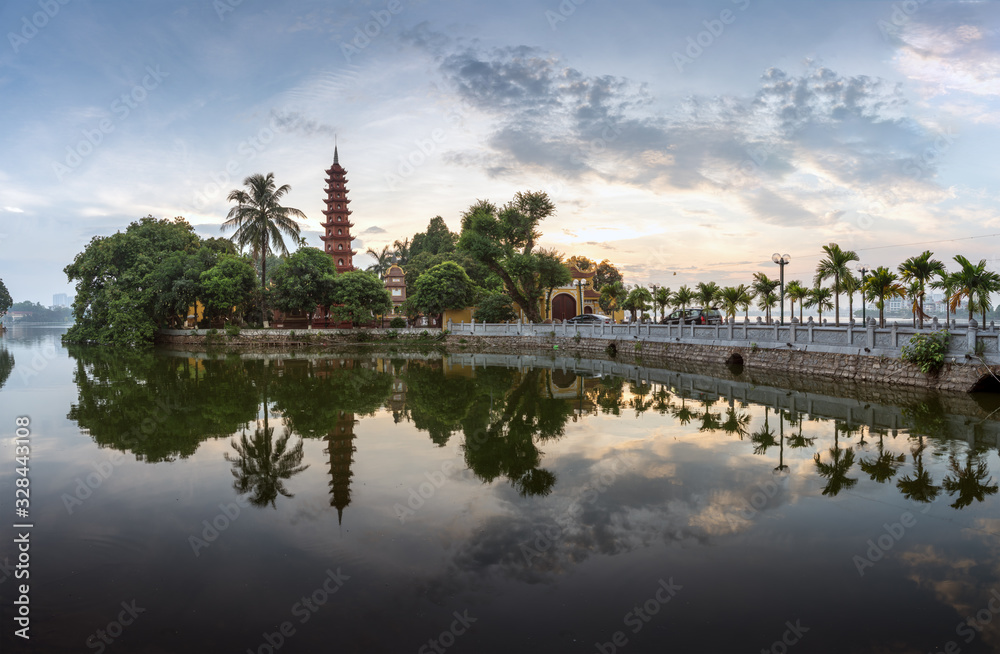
(683, 141)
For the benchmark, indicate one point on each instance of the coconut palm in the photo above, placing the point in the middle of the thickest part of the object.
(851, 285)
(881, 285)
(260, 221)
(835, 265)
(707, 293)
(401, 251)
(921, 269)
(662, 299)
(732, 298)
(819, 297)
(383, 260)
(682, 298)
(914, 292)
(975, 283)
(763, 290)
(796, 292)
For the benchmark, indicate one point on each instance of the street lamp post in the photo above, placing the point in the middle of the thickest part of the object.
(782, 260)
(863, 270)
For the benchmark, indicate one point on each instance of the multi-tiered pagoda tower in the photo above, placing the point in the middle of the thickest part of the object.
(338, 217)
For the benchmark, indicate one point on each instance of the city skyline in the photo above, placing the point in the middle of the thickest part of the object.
(694, 138)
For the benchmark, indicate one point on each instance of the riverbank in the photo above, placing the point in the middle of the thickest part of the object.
(795, 363)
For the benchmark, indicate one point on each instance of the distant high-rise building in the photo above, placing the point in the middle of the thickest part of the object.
(60, 300)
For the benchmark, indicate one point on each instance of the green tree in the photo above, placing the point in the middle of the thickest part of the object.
(835, 265)
(733, 298)
(303, 282)
(707, 294)
(662, 299)
(117, 281)
(850, 285)
(438, 239)
(945, 282)
(921, 269)
(638, 299)
(495, 307)
(228, 288)
(552, 273)
(612, 297)
(358, 296)
(881, 285)
(975, 283)
(261, 221)
(383, 260)
(683, 297)
(504, 239)
(796, 292)
(443, 287)
(606, 273)
(763, 290)
(424, 261)
(582, 263)
(819, 297)
(401, 251)
(5, 299)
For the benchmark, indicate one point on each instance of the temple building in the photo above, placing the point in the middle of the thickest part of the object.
(395, 283)
(338, 217)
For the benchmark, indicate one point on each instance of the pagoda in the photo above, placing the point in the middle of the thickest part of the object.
(338, 217)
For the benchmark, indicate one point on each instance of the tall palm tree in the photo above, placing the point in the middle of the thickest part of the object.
(921, 269)
(763, 290)
(383, 260)
(819, 297)
(945, 282)
(914, 292)
(796, 292)
(260, 221)
(682, 298)
(975, 283)
(706, 293)
(881, 285)
(401, 250)
(662, 299)
(851, 285)
(835, 265)
(732, 298)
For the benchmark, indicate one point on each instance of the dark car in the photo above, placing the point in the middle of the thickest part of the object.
(588, 318)
(696, 316)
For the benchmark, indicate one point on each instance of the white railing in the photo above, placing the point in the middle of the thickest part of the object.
(850, 338)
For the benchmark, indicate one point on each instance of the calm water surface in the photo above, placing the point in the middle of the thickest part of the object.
(404, 503)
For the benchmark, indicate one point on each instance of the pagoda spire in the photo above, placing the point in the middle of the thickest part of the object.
(338, 221)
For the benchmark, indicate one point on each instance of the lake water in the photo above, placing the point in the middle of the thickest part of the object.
(184, 502)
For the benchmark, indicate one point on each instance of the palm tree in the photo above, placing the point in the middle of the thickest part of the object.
(662, 299)
(819, 297)
(763, 290)
(914, 292)
(383, 260)
(975, 283)
(737, 423)
(881, 285)
(945, 282)
(796, 292)
(851, 285)
(835, 266)
(260, 221)
(732, 298)
(707, 293)
(763, 438)
(401, 251)
(682, 298)
(921, 269)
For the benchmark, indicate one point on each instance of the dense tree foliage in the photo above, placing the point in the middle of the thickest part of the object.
(495, 307)
(359, 296)
(304, 281)
(443, 287)
(606, 273)
(41, 313)
(228, 289)
(5, 299)
(438, 239)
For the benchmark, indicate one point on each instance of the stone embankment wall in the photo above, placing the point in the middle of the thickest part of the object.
(794, 363)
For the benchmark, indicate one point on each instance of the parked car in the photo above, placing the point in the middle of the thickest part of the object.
(588, 318)
(696, 316)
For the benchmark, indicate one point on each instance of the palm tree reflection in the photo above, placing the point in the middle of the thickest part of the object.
(262, 465)
(971, 482)
(836, 471)
(919, 487)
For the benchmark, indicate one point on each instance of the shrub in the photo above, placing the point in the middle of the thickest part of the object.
(391, 335)
(611, 350)
(927, 350)
(397, 323)
(232, 331)
(362, 336)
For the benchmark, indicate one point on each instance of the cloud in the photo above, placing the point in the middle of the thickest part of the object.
(374, 229)
(295, 122)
